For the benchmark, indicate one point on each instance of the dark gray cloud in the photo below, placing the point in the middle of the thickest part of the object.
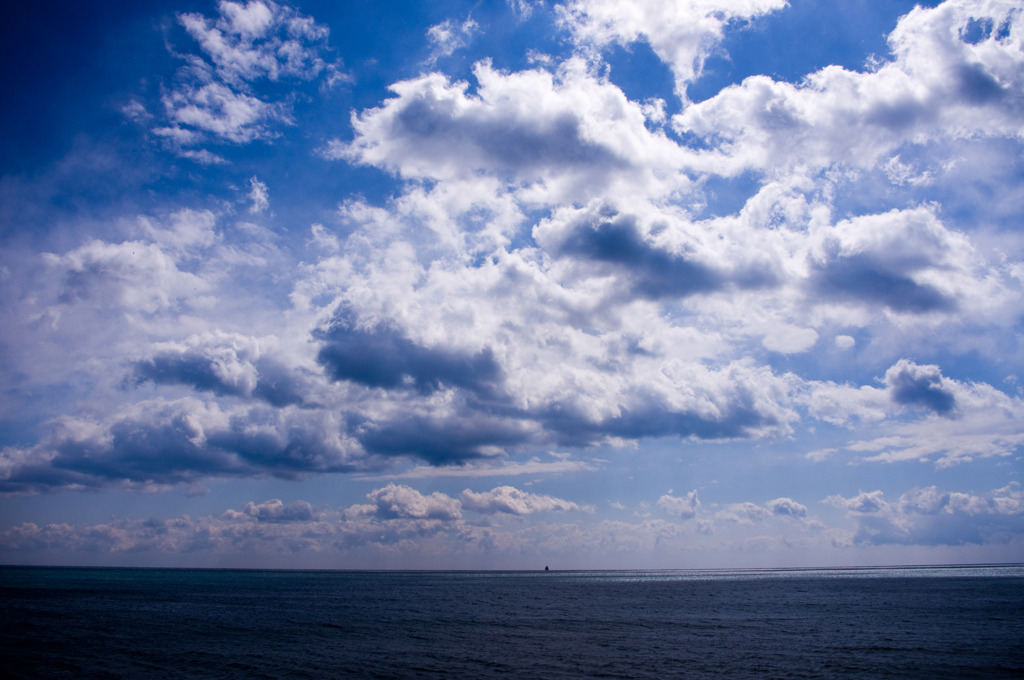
(977, 86)
(914, 385)
(182, 369)
(898, 115)
(171, 442)
(479, 429)
(383, 357)
(158, 447)
(277, 385)
(735, 419)
(287, 448)
(870, 279)
(441, 440)
(616, 242)
(655, 273)
(274, 383)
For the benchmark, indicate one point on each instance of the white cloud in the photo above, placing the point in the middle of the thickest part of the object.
(218, 98)
(259, 40)
(748, 514)
(929, 516)
(457, 307)
(919, 414)
(202, 156)
(950, 422)
(552, 136)
(449, 36)
(682, 34)
(743, 513)
(685, 507)
(907, 262)
(134, 275)
(790, 339)
(845, 342)
(514, 501)
(787, 507)
(939, 85)
(400, 501)
(819, 455)
(524, 8)
(662, 298)
(515, 307)
(258, 196)
(217, 109)
(182, 233)
(275, 510)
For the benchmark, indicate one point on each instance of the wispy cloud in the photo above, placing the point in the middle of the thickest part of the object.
(219, 95)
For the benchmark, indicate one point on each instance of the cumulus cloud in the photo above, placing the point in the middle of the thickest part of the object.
(382, 357)
(161, 442)
(225, 364)
(779, 273)
(426, 526)
(559, 135)
(520, 343)
(613, 243)
(134, 275)
(397, 517)
(147, 275)
(787, 507)
(682, 34)
(743, 513)
(943, 80)
(914, 385)
(511, 500)
(275, 510)
(930, 516)
(444, 437)
(685, 507)
(400, 501)
(919, 414)
(748, 513)
(183, 232)
(905, 260)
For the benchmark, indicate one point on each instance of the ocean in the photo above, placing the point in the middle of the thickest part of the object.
(934, 622)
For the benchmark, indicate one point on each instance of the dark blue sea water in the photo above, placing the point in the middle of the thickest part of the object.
(950, 622)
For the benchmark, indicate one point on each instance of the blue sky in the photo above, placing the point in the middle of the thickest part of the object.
(590, 284)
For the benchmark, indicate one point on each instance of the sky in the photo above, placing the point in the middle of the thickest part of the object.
(480, 285)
